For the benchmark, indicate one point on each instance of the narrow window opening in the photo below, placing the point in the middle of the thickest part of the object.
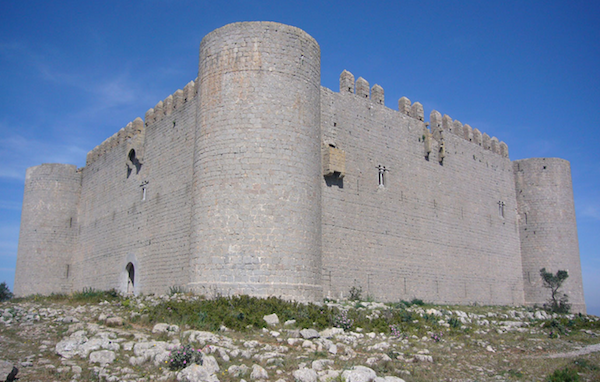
(525, 217)
(130, 277)
(501, 206)
(382, 170)
(67, 273)
(143, 186)
(133, 162)
(71, 223)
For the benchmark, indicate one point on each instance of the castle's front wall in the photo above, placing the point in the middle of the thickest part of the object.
(120, 223)
(434, 230)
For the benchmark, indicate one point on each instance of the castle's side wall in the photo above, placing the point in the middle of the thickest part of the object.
(136, 205)
(48, 229)
(257, 215)
(548, 228)
(434, 230)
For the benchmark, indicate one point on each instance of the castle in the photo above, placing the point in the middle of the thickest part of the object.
(255, 179)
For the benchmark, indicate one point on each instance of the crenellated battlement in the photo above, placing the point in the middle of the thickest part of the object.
(131, 130)
(133, 133)
(439, 125)
(173, 102)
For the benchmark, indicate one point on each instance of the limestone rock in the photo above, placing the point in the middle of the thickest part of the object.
(388, 379)
(196, 373)
(114, 321)
(103, 357)
(305, 375)
(8, 371)
(359, 374)
(320, 364)
(423, 358)
(165, 328)
(210, 364)
(258, 372)
(271, 319)
(309, 334)
(238, 371)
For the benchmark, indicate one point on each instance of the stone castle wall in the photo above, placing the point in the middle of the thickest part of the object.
(547, 227)
(434, 230)
(136, 208)
(257, 212)
(48, 229)
(255, 179)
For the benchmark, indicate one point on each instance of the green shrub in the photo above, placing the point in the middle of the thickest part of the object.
(355, 293)
(454, 322)
(238, 313)
(184, 357)
(417, 301)
(341, 320)
(566, 374)
(91, 295)
(558, 302)
(175, 289)
(5, 293)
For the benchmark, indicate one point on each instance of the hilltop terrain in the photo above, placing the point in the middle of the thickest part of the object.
(100, 336)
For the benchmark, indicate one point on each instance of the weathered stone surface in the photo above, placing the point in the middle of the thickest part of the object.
(359, 374)
(258, 372)
(196, 373)
(309, 334)
(8, 371)
(103, 357)
(305, 375)
(114, 321)
(388, 379)
(271, 319)
(165, 328)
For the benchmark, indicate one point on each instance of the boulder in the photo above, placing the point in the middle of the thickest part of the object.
(8, 371)
(258, 372)
(309, 334)
(196, 373)
(103, 357)
(305, 375)
(359, 374)
(271, 319)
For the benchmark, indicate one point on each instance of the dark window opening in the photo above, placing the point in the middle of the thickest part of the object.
(130, 277)
(133, 162)
(501, 206)
(382, 170)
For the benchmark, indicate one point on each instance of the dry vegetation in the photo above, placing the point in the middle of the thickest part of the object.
(465, 343)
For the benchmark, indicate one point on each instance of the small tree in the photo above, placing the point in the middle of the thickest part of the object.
(5, 293)
(558, 302)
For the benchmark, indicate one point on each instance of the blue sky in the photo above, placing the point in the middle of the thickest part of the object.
(73, 73)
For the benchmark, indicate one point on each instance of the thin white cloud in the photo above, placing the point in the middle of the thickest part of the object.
(588, 208)
(17, 153)
(8, 205)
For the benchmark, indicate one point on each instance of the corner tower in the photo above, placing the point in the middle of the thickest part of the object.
(548, 228)
(256, 221)
(48, 229)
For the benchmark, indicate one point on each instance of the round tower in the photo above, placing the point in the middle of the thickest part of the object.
(48, 229)
(256, 225)
(548, 228)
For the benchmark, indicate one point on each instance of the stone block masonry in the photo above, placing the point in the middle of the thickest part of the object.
(254, 179)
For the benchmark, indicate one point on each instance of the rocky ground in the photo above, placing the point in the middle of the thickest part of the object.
(64, 340)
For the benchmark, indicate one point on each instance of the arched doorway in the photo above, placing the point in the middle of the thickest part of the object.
(130, 277)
